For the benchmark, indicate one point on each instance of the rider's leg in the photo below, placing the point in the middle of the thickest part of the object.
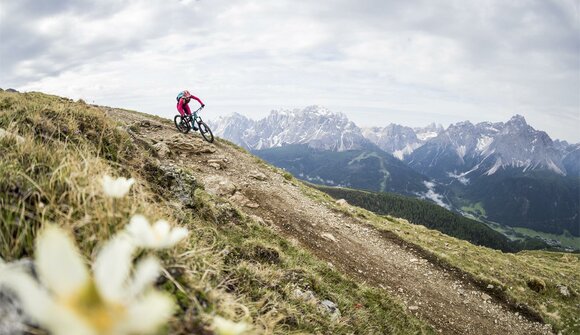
(180, 109)
(188, 111)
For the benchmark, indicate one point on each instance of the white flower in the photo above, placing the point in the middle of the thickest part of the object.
(157, 236)
(226, 327)
(116, 188)
(70, 301)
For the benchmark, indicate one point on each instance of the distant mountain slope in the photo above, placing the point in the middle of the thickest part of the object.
(539, 200)
(517, 174)
(364, 169)
(571, 159)
(431, 216)
(464, 150)
(401, 141)
(314, 126)
(395, 139)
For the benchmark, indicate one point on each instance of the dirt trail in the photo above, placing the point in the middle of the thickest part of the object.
(443, 298)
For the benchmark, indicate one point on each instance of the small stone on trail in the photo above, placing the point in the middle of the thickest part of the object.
(342, 202)
(485, 296)
(217, 185)
(215, 165)
(258, 175)
(413, 308)
(329, 236)
(222, 162)
(251, 204)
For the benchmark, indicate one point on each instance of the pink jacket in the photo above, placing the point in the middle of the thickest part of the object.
(183, 107)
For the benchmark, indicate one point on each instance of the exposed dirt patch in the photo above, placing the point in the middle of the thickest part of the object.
(445, 298)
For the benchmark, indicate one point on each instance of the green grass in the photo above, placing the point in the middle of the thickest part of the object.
(231, 265)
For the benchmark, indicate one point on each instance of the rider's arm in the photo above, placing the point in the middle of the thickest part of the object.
(198, 100)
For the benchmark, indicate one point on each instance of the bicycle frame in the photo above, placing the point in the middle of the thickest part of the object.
(193, 117)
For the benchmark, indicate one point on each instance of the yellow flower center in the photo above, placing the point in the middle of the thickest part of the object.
(89, 305)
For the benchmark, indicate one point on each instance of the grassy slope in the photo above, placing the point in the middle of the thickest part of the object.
(510, 274)
(231, 265)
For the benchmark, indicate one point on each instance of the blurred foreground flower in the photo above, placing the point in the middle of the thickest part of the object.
(226, 327)
(116, 187)
(157, 236)
(69, 301)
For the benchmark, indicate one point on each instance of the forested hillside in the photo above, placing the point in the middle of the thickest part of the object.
(432, 216)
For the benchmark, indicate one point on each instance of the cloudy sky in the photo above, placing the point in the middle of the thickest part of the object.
(377, 61)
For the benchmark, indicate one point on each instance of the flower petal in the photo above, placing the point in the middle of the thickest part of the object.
(112, 267)
(140, 229)
(177, 234)
(147, 314)
(40, 307)
(116, 188)
(58, 262)
(226, 327)
(146, 272)
(161, 229)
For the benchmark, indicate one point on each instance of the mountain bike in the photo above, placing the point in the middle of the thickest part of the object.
(186, 123)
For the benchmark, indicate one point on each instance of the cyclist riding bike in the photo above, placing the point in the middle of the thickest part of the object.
(183, 100)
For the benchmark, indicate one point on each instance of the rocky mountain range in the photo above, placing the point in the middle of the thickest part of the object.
(464, 150)
(461, 150)
(315, 126)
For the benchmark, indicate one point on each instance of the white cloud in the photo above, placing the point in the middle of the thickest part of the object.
(412, 62)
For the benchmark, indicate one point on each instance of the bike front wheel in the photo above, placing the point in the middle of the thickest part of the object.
(181, 124)
(205, 132)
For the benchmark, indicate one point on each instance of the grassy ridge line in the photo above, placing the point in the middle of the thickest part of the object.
(529, 278)
(231, 265)
(432, 216)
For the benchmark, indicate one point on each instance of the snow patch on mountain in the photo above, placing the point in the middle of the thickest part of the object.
(461, 151)
(460, 177)
(498, 164)
(400, 141)
(552, 166)
(407, 150)
(424, 134)
(432, 195)
(483, 143)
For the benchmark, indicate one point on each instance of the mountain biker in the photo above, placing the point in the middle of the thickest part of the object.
(183, 100)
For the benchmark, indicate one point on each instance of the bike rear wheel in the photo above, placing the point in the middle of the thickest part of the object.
(205, 131)
(181, 124)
